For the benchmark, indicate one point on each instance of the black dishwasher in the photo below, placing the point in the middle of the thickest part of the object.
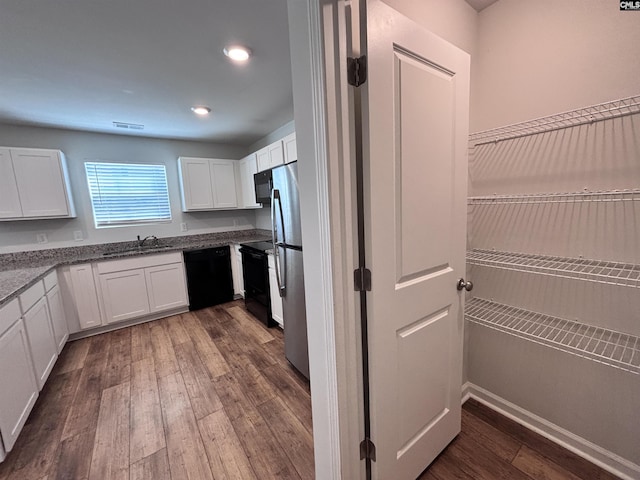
(209, 280)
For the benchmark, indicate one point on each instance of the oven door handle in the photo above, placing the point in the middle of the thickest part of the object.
(280, 278)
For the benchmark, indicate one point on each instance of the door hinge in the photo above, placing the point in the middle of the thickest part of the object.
(367, 450)
(357, 70)
(362, 279)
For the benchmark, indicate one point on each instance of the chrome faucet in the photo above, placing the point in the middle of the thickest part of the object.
(153, 240)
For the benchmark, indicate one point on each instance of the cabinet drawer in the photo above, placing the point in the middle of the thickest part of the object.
(9, 314)
(51, 280)
(29, 298)
(142, 261)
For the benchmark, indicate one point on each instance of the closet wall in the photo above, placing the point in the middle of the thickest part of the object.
(553, 323)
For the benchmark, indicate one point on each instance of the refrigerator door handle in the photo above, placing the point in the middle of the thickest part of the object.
(281, 279)
(274, 226)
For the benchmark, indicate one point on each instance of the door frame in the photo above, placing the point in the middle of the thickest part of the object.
(320, 42)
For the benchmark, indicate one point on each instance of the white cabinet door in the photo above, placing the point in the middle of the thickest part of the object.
(248, 168)
(236, 270)
(415, 117)
(223, 181)
(18, 387)
(262, 158)
(195, 184)
(41, 340)
(85, 296)
(166, 287)
(9, 198)
(290, 148)
(41, 182)
(276, 154)
(58, 319)
(276, 300)
(124, 295)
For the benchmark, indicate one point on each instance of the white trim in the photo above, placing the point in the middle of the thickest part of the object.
(340, 125)
(312, 119)
(330, 386)
(595, 454)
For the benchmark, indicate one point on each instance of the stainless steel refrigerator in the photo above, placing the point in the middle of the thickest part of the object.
(287, 241)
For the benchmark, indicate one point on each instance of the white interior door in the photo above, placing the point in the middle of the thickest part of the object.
(415, 127)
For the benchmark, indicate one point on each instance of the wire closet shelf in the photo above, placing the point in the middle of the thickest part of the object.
(611, 273)
(594, 343)
(627, 195)
(572, 118)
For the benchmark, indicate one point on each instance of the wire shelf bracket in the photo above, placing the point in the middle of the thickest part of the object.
(628, 195)
(572, 118)
(604, 346)
(611, 273)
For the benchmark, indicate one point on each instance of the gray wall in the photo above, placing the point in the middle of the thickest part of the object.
(543, 57)
(535, 59)
(83, 146)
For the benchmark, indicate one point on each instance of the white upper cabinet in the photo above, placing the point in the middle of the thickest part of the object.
(195, 184)
(9, 198)
(290, 149)
(270, 156)
(40, 180)
(223, 180)
(207, 184)
(247, 168)
(276, 154)
(262, 157)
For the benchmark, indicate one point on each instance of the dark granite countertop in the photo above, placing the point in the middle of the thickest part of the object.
(18, 271)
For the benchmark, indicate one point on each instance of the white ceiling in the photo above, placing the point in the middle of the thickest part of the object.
(83, 64)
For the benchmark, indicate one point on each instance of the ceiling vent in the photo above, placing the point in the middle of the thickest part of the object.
(128, 126)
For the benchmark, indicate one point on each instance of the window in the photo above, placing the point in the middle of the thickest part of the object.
(127, 193)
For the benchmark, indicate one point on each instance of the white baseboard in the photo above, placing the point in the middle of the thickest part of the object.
(605, 459)
(127, 323)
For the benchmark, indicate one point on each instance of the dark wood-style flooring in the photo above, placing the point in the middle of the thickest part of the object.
(202, 395)
(492, 447)
(210, 395)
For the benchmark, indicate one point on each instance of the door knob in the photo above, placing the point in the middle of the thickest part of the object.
(468, 286)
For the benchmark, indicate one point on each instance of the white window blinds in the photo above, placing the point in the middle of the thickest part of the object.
(127, 193)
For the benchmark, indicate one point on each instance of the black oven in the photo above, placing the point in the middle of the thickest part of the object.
(263, 184)
(255, 269)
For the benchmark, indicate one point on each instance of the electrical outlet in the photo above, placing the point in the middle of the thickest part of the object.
(77, 235)
(183, 227)
(42, 238)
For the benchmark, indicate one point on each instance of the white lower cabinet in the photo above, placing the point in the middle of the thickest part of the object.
(139, 286)
(18, 387)
(41, 340)
(166, 287)
(84, 296)
(58, 319)
(124, 295)
(56, 311)
(236, 270)
(276, 300)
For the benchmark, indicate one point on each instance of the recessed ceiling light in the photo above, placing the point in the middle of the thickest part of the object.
(200, 110)
(237, 53)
